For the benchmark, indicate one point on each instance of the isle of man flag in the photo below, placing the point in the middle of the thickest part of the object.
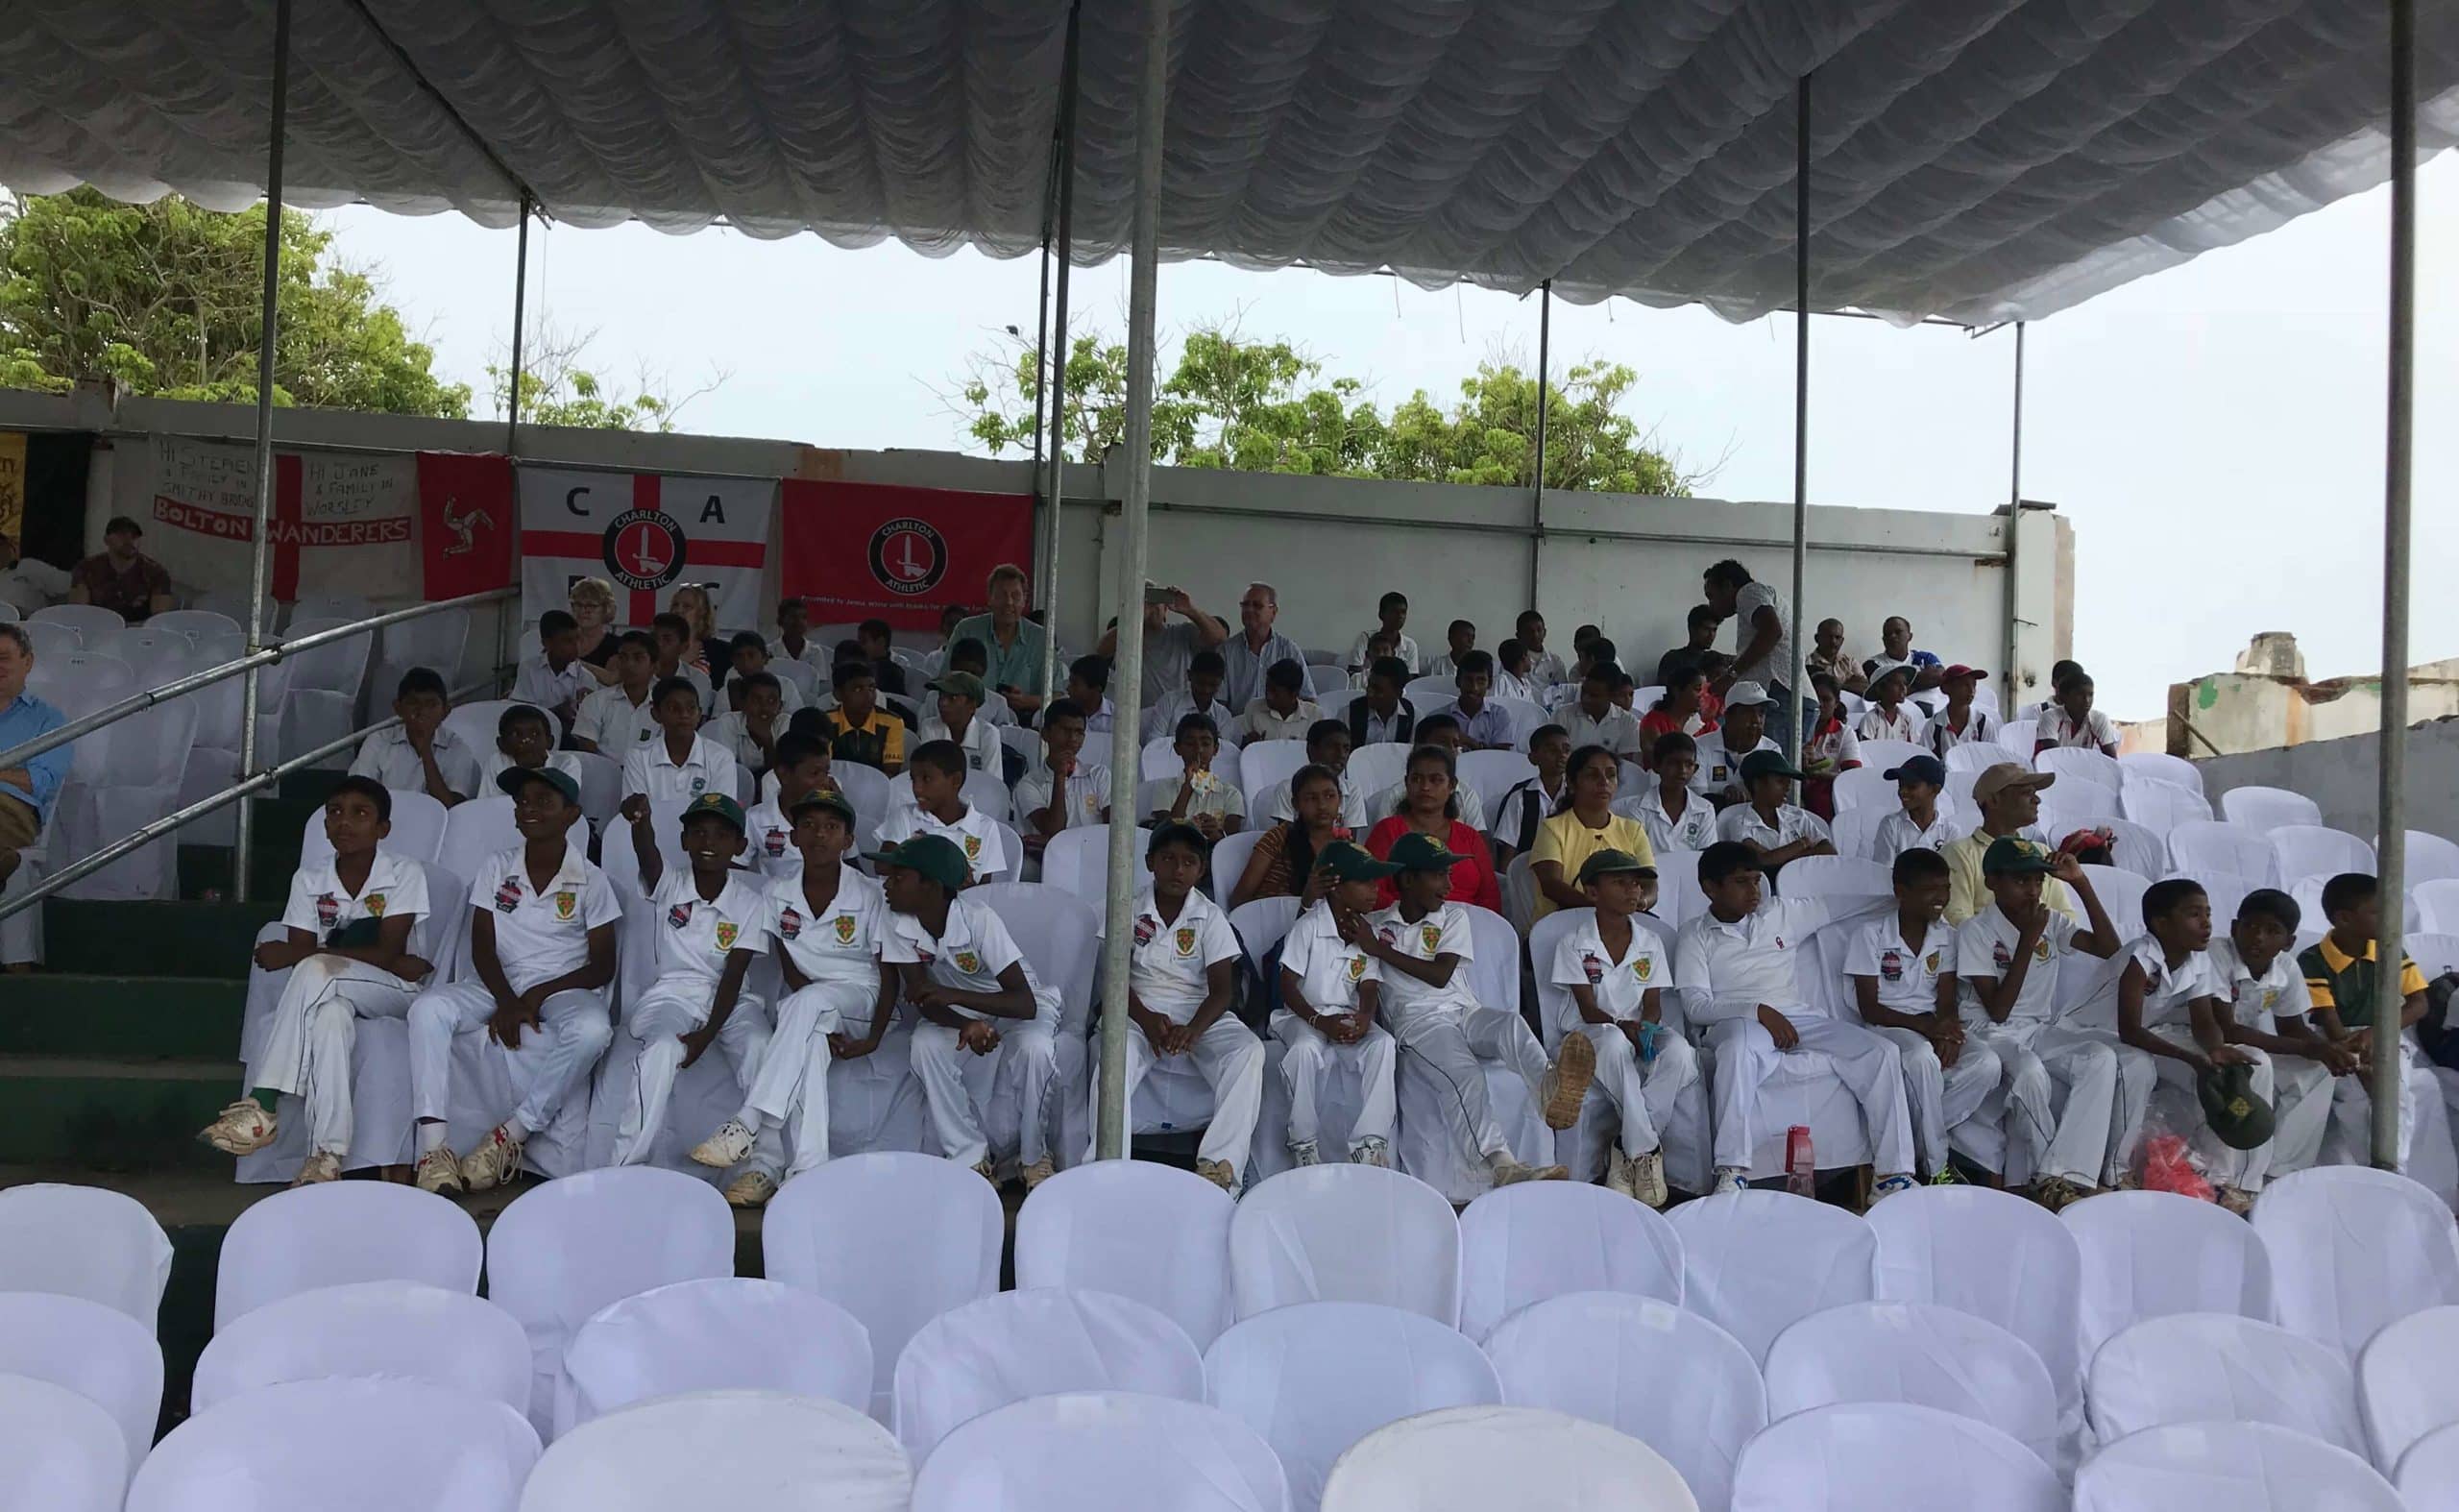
(648, 534)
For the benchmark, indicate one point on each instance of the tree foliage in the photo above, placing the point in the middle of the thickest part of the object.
(556, 390)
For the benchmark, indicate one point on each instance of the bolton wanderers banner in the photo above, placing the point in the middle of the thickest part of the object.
(648, 534)
(857, 552)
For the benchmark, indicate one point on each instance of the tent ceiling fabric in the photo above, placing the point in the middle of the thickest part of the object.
(1975, 160)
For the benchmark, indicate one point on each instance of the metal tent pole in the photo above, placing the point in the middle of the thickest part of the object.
(1041, 364)
(1801, 411)
(268, 337)
(1143, 276)
(2014, 521)
(508, 611)
(1545, 382)
(2392, 837)
(1055, 488)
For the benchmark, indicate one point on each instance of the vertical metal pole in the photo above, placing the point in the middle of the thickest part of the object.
(1041, 364)
(508, 611)
(1056, 489)
(2014, 528)
(1545, 382)
(1143, 278)
(1801, 412)
(2392, 837)
(268, 338)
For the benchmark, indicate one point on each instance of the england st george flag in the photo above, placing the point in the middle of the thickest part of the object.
(646, 533)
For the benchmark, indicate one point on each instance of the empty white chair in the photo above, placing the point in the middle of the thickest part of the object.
(1979, 756)
(1865, 787)
(2431, 858)
(893, 1237)
(2162, 766)
(2209, 1367)
(2149, 1254)
(1102, 1451)
(2198, 849)
(1915, 1353)
(2263, 809)
(337, 1233)
(389, 1329)
(1668, 1377)
(2427, 1475)
(1835, 876)
(92, 622)
(52, 639)
(1078, 860)
(2199, 1465)
(2406, 1385)
(370, 1446)
(1469, 1459)
(2437, 906)
(84, 1241)
(1229, 855)
(1266, 766)
(1041, 1342)
(2317, 850)
(1755, 1262)
(1315, 1379)
(329, 605)
(1883, 756)
(742, 1450)
(1523, 1244)
(324, 681)
(1345, 1232)
(437, 639)
(1491, 774)
(2160, 807)
(1137, 1228)
(2352, 1249)
(476, 832)
(1375, 766)
(98, 1352)
(2020, 736)
(565, 1250)
(719, 1333)
(1996, 1257)
(195, 623)
(60, 1452)
(1890, 1457)
(2075, 765)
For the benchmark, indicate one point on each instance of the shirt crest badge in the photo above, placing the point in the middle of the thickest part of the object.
(2040, 949)
(698, 784)
(375, 905)
(1929, 962)
(1644, 968)
(508, 896)
(845, 929)
(968, 962)
(1186, 939)
(678, 916)
(2270, 998)
(1430, 935)
(973, 847)
(566, 903)
(1146, 927)
(727, 933)
(1592, 968)
(1356, 968)
(790, 924)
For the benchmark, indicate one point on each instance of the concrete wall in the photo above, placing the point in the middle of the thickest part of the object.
(2246, 712)
(2340, 775)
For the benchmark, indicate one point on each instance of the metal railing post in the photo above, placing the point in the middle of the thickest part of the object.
(1545, 382)
(2391, 839)
(504, 617)
(1798, 672)
(1056, 489)
(2014, 527)
(268, 339)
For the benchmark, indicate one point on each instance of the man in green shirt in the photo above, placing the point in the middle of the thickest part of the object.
(1016, 645)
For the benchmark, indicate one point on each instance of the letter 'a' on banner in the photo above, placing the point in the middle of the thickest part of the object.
(648, 534)
(856, 552)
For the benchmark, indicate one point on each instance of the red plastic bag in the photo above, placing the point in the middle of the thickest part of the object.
(2167, 1167)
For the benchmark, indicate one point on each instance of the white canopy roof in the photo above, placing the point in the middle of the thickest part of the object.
(1975, 160)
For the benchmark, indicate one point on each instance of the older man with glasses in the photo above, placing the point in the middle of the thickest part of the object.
(1257, 646)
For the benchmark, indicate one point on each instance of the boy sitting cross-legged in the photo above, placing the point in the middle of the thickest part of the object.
(1616, 971)
(1903, 969)
(2265, 997)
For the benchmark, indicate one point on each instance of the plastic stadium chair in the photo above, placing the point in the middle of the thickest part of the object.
(84, 1241)
(59, 1451)
(1004, 1348)
(2201, 1367)
(398, 1331)
(2149, 1254)
(720, 1332)
(2212, 1464)
(1100, 1451)
(340, 1443)
(1345, 1232)
(98, 1352)
(1137, 1228)
(340, 1233)
(1854, 1458)
(1919, 1354)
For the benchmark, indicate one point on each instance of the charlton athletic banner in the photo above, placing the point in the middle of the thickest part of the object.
(857, 552)
(648, 534)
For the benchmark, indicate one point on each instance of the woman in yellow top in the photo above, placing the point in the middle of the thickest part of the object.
(1580, 828)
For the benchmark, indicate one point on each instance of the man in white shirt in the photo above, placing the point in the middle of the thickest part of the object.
(419, 754)
(1762, 643)
(1168, 648)
(1902, 970)
(556, 678)
(1544, 667)
(621, 715)
(1392, 611)
(681, 764)
(1331, 990)
(1724, 750)
(1596, 719)
(2267, 1003)
(1257, 647)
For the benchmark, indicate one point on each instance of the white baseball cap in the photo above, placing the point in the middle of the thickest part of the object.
(1747, 695)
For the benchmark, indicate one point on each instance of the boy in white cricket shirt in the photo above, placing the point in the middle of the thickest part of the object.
(938, 772)
(1207, 671)
(1916, 824)
(542, 950)
(2008, 958)
(681, 764)
(1616, 971)
(802, 768)
(1328, 746)
(828, 921)
(347, 948)
(556, 678)
(621, 715)
(525, 741)
(1901, 966)
(748, 731)
(1063, 789)
(419, 755)
(1777, 830)
(1532, 801)
(1675, 816)
(710, 920)
(957, 720)
(2168, 1008)
(1331, 990)
(984, 1014)
(1182, 975)
(2267, 1006)
(1197, 795)
(1889, 717)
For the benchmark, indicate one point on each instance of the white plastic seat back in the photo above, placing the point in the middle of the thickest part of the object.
(2121, 893)
(2073, 764)
(1839, 876)
(2353, 1249)
(2200, 847)
(1268, 765)
(1916, 1353)
(893, 1237)
(337, 1233)
(92, 622)
(2317, 850)
(1979, 756)
(1262, 923)
(1670, 1379)
(2437, 906)
(52, 639)
(1102, 1451)
(1229, 857)
(1890, 1457)
(740, 1450)
(1345, 1232)
(1523, 1244)
(2232, 1464)
(1994, 1256)
(2160, 766)
(2209, 1367)
(2076, 803)
(719, 1333)
(1043, 1342)
(418, 829)
(60, 1452)
(1315, 1379)
(565, 1250)
(2261, 808)
(476, 832)
(392, 1329)
(2149, 1254)
(2161, 808)
(102, 1355)
(477, 722)
(1061, 936)
(2135, 847)
(1885, 756)
(1755, 1262)
(195, 623)
(1135, 1229)
(1491, 774)
(84, 1241)
(1864, 787)
(2431, 858)
(368, 1445)
(2427, 1475)
(1078, 860)
(2407, 1382)
(1378, 764)
(1471, 1459)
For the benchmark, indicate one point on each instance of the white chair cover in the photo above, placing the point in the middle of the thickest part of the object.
(1755, 1262)
(1890, 1457)
(1315, 1379)
(1102, 1451)
(2209, 1367)
(1044, 1342)
(474, 832)
(96, 1352)
(1077, 860)
(892, 1237)
(2073, 764)
(1994, 1256)
(2148, 1254)
(1979, 756)
(418, 827)
(564, 1250)
(2407, 1382)
(340, 1231)
(1836, 876)
(2352, 1249)
(2260, 808)
(2427, 1475)
(477, 720)
(2232, 1465)
(2431, 858)
(1137, 1229)
(1268, 765)
(1863, 787)
(392, 1329)
(1345, 1232)
(2317, 850)
(1230, 854)
(719, 1333)
(2161, 808)
(195, 623)
(2160, 766)
(59, 1451)
(1378, 764)
(1670, 1379)
(738, 1450)
(84, 1241)
(2437, 906)
(92, 622)
(1491, 774)
(1916, 1353)
(1474, 1459)
(366, 1446)
(1523, 1244)
(2200, 847)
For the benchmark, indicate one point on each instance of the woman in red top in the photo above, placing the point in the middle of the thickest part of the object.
(1683, 708)
(1430, 805)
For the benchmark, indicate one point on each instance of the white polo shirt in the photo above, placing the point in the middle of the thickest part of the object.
(542, 932)
(2169, 992)
(1618, 732)
(1777, 665)
(1792, 823)
(1444, 932)
(1217, 796)
(320, 903)
(1513, 814)
(609, 719)
(1260, 723)
(1721, 766)
(1877, 725)
(730, 733)
(1980, 724)
(1171, 961)
(1695, 830)
(1907, 976)
(769, 839)
(1407, 652)
(2258, 1002)
(1088, 794)
(980, 743)
(1897, 834)
(708, 768)
(1328, 968)
(1621, 984)
(968, 955)
(1176, 706)
(386, 756)
(975, 833)
(2058, 730)
(839, 943)
(497, 764)
(1280, 808)
(694, 934)
(789, 698)
(1985, 950)
(1728, 970)
(549, 689)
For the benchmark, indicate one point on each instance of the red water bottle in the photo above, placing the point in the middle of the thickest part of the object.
(1801, 1165)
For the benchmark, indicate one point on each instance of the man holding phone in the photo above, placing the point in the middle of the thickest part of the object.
(1168, 648)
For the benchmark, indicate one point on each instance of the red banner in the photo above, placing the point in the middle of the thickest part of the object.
(465, 523)
(881, 550)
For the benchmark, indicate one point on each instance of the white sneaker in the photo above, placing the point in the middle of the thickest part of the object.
(1371, 1151)
(1730, 1178)
(1566, 1085)
(495, 1162)
(1303, 1152)
(730, 1145)
(1039, 1172)
(1507, 1171)
(1220, 1174)
(243, 1128)
(322, 1166)
(440, 1172)
(750, 1189)
(1647, 1178)
(1618, 1172)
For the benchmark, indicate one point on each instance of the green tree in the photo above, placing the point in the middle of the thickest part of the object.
(165, 299)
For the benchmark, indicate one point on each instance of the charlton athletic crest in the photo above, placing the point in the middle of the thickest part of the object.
(645, 549)
(908, 556)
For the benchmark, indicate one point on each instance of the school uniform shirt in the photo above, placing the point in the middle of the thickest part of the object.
(981, 741)
(1523, 808)
(878, 742)
(1386, 803)
(1618, 731)
(695, 934)
(2169, 992)
(1728, 970)
(839, 943)
(731, 732)
(1620, 983)
(1216, 796)
(995, 713)
(790, 698)
(1282, 808)
(696, 676)
(968, 955)
(1444, 930)
(497, 764)
(1088, 794)
(1720, 765)
(1906, 976)
(2057, 729)
(1695, 830)
(1792, 823)
(1248, 667)
(395, 887)
(975, 833)
(1366, 728)
(769, 837)
(1546, 670)
(708, 768)
(1176, 706)
(1260, 723)
(1525, 689)
(1877, 725)
(1329, 969)
(1775, 669)
(1897, 834)
(387, 757)
(1830, 749)
(1406, 652)
(1489, 727)
(609, 719)
(812, 653)
(541, 684)
(1101, 720)
(1941, 736)
(1171, 961)
(1986, 951)
(542, 932)
(2334, 980)
(2258, 1002)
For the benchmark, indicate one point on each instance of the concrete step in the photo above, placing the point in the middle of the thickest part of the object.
(123, 1018)
(178, 940)
(113, 1113)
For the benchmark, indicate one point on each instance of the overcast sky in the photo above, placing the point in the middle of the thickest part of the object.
(2214, 432)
